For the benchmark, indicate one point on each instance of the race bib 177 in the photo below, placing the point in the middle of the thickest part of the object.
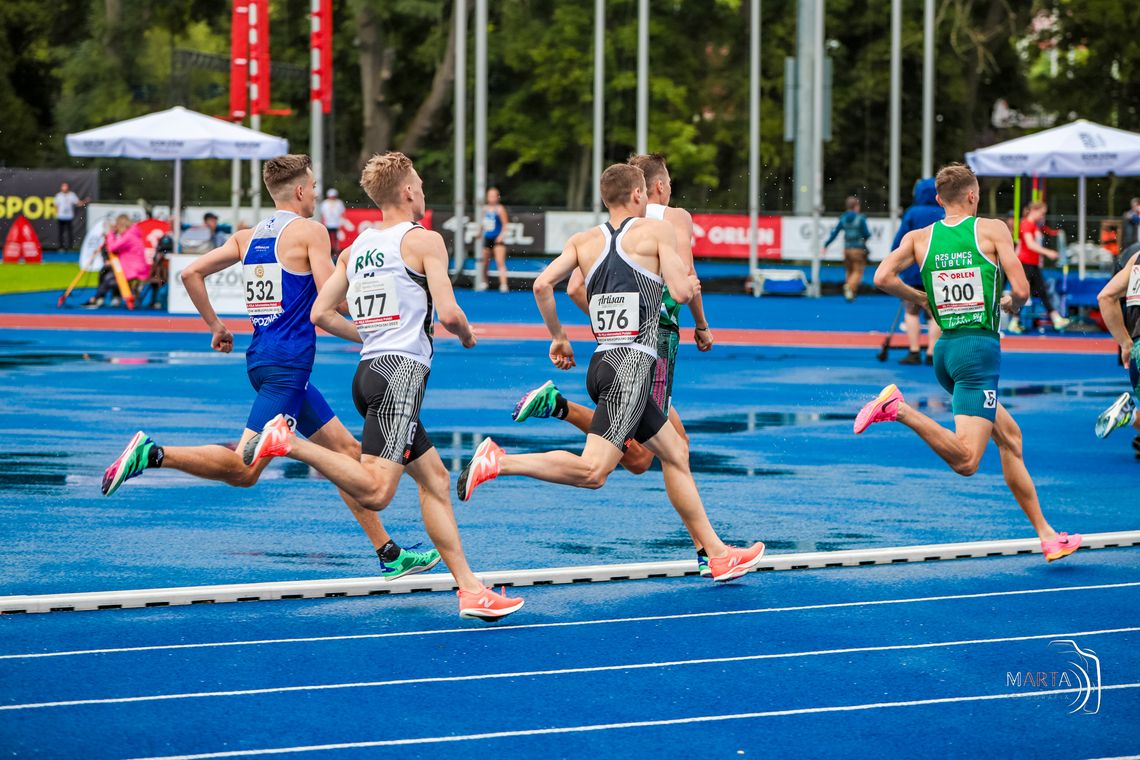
(1133, 297)
(374, 304)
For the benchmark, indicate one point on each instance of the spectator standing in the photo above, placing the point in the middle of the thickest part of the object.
(65, 204)
(853, 225)
(495, 222)
(924, 212)
(332, 212)
(218, 237)
(1029, 253)
(1130, 225)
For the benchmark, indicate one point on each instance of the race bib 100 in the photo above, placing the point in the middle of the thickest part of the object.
(263, 293)
(614, 317)
(1133, 296)
(374, 304)
(959, 291)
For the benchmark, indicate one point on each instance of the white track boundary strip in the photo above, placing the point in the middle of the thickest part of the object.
(640, 724)
(340, 587)
(558, 671)
(566, 623)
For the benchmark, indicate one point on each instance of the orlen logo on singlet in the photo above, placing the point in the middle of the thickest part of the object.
(370, 258)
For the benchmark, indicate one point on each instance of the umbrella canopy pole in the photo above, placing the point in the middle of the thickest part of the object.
(1017, 208)
(176, 212)
(235, 193)
(1081, 198)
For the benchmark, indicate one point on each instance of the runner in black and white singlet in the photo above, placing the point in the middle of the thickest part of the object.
(1120, 307)
(391, 278)
(625, 264)
(285, 259)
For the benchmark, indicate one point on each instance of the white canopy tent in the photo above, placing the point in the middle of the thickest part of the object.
(1081, 149)
(176, 135)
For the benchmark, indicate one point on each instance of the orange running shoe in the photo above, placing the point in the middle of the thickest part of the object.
(483, 466)
(885, 408)
(736, 563)
(272, 441)
(1061, 546)
(486, 604)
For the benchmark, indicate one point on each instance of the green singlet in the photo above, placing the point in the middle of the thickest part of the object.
(670, 312)
(962, 285)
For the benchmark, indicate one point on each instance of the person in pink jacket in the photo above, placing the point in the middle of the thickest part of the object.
(125, 241)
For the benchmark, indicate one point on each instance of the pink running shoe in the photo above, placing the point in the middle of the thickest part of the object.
(272, 441)
(736, 563)
(483, 466)
(486, 604)
(1061, 546)
(885, 408)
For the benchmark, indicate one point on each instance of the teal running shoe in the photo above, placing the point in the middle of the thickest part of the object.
(408, 563)
(703, 566)
(538, 403)
(130, 463)
(1116, 416)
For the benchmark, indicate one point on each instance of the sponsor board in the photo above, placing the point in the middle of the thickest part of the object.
(725, 236)
(226, 288)
(357, 220)
(31, 193)
(525, 231)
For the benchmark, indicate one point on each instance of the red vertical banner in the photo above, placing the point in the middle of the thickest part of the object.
(258, 57)
(239, 61)
(326, 56)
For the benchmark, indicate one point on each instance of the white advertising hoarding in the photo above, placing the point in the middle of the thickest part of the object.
(226, 289)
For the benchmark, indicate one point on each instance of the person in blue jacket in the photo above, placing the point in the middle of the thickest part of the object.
(924, 212)
(853, 224)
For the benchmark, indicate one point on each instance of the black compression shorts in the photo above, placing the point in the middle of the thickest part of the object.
(619, 381)
(388, 391)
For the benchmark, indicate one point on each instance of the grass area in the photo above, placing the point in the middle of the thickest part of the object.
(29, 278)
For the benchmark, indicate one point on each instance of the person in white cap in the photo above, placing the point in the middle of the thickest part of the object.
(332, 211)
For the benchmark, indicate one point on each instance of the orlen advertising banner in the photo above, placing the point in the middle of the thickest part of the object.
(226, 288)
(725, 236)
(31, 193)
(357, 220)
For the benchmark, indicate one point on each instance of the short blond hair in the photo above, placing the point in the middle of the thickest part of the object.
(281, 172)
(652, 165)
(954, 181)
(618, 182)
(384, 177)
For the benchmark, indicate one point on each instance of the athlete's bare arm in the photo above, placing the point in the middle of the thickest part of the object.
(425, 250)
(561, 352)
(505, 221)
(1109, 300)
(887, 275)
(325, 313)
(996, 232)
(576, 289)
(682, 222)
(659, 238)
(194, 280)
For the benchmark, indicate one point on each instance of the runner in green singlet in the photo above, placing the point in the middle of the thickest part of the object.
(962, 259)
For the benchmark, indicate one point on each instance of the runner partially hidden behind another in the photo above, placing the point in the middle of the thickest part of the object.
(285, 260)
(626, 262)
(1124, 324)
(548, 401)
(1029, 253)
(393, 276)
(962, 259)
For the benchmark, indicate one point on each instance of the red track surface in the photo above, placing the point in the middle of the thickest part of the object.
(496, 331)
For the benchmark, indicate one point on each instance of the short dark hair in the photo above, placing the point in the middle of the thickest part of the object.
(953, 181)
(852, 202)
(652, 166)
(618, 181)
(277, 173)
(210, 215)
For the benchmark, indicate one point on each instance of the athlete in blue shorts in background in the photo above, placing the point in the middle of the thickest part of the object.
(285, 260)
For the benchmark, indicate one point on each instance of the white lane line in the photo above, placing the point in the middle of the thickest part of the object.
(636, 724)
(559, 671)
(568, 623)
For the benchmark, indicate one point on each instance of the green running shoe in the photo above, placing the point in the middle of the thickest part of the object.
(130, 463)
(408, 563)
(538, 403)
(703, 566)
(1116, 416)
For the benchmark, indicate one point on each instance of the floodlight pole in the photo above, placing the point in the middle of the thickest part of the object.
(459, 200)
(928, 89)
(754, 142)
(896, 115)
(480, 135)
(817, 148)
(599, 102)
(642, 76)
